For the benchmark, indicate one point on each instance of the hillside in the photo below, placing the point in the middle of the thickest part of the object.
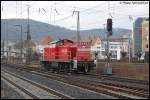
(40, 29)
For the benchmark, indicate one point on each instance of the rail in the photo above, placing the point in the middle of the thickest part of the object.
(59, 94)
(99, 87)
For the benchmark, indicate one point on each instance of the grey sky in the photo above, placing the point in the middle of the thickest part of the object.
(93, 14)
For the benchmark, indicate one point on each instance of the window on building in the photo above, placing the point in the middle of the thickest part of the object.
(115, 46)
(114, 56)
(114, 52)
(146, 45)
(120, 47)
(111, 47)
(147, 28)
(103, 45)
(98, 47)
(9, 47)
(103, 53)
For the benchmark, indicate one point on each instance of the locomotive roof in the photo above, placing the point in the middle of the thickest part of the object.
(61, 40)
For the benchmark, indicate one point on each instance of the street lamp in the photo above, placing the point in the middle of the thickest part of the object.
(28, 39)
(131, 39)
(21, 47)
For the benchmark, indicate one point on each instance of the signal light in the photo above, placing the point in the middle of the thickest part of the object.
(109, 26)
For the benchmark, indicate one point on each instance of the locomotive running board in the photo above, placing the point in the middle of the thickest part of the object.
(56, 61)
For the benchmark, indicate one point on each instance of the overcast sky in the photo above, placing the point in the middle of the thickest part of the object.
(93, 14)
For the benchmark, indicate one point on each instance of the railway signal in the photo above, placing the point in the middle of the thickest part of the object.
(108, 69)
(109, 27)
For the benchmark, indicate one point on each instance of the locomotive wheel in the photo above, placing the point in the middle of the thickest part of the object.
(59, 68)
(42, 65)
(66, 68)
(86, 68)
(45, 67)
(53, 70)
(76, 71)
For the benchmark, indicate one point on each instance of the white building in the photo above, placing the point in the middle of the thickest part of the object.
(115, 48)
(12, 51)
(40, 48)
(6, 48)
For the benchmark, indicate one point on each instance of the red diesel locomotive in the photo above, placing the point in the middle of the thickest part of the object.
(67, 56)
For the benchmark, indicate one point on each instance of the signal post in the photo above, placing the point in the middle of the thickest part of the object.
(108, 68)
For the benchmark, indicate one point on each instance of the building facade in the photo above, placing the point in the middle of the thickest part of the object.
(11, 52)
(145, 40)
(145, 36)
(137, 35)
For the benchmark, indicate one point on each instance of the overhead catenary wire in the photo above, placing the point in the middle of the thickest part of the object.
(64, 18)
(83, 12)
(16, 9)
(24, 11)
(50, 13)
(88, 9)
(21, 9)
(34, 3)
(54, 12)
(100, 21)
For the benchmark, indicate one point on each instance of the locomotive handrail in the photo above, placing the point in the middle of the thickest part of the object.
(57, 54)
(54, 54)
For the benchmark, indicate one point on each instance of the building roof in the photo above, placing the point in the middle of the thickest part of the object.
(25, 44)
(87, 38)
(60, 41)
(145, 22)
(116, 39)
(139, 21)
(45, 40)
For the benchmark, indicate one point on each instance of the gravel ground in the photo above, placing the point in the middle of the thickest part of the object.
(72, 91)
(9, 93)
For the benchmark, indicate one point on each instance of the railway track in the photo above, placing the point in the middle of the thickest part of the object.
(120, 82)
(53, 93)
(65, 88)
(109, 89)
(109, 80)
(106, 77)
(22, 89)
(116, 91)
